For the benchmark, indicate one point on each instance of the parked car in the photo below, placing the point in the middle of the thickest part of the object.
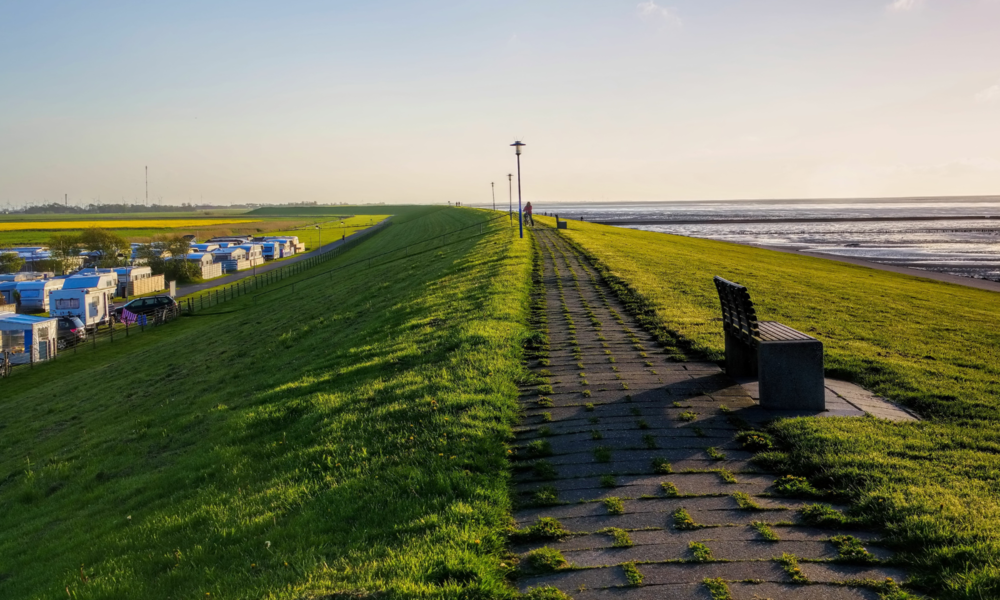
(71, 332)
(149, 306)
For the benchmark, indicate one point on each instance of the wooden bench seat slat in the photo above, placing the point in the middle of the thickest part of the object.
(772, 330)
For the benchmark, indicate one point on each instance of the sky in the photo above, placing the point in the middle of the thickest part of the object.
(390, 101)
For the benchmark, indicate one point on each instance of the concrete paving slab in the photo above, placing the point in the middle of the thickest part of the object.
(834, 573)
(786, 591)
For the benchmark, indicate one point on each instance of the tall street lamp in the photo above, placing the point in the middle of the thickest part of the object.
(520, 220)
(319, 232)
(493, 191)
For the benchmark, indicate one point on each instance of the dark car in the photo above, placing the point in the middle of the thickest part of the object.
(71, 332)
(150, 306)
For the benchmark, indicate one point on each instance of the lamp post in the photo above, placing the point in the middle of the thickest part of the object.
(510, 198)
(520, 219)
(319, 232)
(493, 191)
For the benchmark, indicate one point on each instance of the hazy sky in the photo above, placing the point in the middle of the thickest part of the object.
(392, 101)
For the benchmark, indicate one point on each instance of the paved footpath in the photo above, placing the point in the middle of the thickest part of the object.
(626, 420)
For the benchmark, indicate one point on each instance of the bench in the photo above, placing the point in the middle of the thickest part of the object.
(787, 363)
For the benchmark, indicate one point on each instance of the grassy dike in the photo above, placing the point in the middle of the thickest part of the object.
(933, 346)
(347, 437)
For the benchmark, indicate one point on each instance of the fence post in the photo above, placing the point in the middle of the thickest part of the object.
(126, 328)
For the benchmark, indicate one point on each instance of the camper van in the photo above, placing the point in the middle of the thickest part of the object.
(28, 339)
(87, 297)
(35, 294)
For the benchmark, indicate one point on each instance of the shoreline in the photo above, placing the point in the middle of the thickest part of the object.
(630, 222)
(981, 284)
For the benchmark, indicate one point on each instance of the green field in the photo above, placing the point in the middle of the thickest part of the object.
(273, 220)
(934, 486)
(217, 212)
(349, 436)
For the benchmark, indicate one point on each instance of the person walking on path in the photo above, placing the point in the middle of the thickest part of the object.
(528, 219)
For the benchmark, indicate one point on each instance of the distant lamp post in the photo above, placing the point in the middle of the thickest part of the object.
(493, 191)
(510, 198)
(319, 232)
(520, 220)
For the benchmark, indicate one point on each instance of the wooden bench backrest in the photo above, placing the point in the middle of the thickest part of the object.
(738, 315)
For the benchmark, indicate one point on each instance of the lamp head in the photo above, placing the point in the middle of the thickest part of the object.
(517, 147)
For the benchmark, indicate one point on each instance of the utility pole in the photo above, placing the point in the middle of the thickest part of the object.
(66, 201)
(493, 191)
(147, 185)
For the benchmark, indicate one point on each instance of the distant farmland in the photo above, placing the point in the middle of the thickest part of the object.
(15, 230)
(118, 224)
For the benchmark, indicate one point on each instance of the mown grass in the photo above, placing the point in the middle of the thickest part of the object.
(933, 486)
(348, 437)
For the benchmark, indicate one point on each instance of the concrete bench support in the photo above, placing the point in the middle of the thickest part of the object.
(791, 375)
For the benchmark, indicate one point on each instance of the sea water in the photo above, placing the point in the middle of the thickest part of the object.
(922, 233)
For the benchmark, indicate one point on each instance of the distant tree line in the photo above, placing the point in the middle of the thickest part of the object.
(61, 209)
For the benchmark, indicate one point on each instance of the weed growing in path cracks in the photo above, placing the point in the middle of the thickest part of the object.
(544, 470)
(765, 531)
(602, 454)
(615, 505)
(543, 560)
(687, 416)
(545, 593)
(683, 520)
(717, 588)
(700, 552)
(851, 550)
(546, 496)
(745, 502)
(632, 574)
(714, 453)
(608, 481)
(669, 489)
(726, 476)
(620, 536)
(538, 449)
(545, 528)
(790, 564)
(754, 441)
(662, 467)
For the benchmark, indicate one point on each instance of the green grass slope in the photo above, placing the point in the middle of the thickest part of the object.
(933, 346)
(320, 211)
(349, 436)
